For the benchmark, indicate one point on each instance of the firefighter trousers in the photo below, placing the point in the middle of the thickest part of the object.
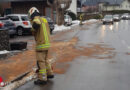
(44, 66)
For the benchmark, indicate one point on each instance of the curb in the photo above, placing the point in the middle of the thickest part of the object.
(20, 77)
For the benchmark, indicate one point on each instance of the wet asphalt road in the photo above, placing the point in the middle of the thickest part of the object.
(94, 73)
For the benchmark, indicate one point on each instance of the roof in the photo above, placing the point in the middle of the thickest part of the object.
(110, 2)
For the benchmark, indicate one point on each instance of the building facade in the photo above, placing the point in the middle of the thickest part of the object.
(22, 6)
(5, 7)
(73, 7)
(124, 5)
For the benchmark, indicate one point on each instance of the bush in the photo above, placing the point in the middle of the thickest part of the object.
(93, 16)
(98, 16)
(116, 12)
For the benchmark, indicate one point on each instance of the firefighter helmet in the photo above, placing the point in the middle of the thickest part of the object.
(32, 10)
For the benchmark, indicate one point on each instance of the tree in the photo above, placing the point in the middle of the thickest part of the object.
(60, 7)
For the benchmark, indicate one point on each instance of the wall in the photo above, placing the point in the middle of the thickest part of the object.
(6, 5)
(23, 7)
(73, 6)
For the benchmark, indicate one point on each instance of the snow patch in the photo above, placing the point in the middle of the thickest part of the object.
(15, 85)
(92, 20)
(61, 28)
(4, 52)
(74, 23)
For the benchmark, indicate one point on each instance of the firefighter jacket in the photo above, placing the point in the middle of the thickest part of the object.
(81, 16)
(41, 34)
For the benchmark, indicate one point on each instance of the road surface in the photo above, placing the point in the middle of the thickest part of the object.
(107, 67)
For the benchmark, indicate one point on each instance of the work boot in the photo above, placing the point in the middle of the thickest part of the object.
(40, 82)
(50, 76)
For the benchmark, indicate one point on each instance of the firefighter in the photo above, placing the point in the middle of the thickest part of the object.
(41, 32)
(81, 18)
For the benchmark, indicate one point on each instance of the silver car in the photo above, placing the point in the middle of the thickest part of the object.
(23, 25)
(108, 19)
(125, 16)
(7, 24)
(116, 17)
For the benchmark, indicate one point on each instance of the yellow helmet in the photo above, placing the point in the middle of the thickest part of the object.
(32, 10)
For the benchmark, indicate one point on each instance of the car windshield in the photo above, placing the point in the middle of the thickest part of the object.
(116, 15)
(108, 16)
(66, 16)
(24, 18)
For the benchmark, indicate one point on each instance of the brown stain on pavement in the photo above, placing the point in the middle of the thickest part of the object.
(67, 51)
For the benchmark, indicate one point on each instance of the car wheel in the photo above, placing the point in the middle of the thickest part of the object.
(103, 22)
(20, 31)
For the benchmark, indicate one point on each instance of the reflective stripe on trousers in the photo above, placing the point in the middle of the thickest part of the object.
(42, 71)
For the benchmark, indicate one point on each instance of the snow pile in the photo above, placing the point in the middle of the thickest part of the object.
(92, 20)
(74, 23)
(61, 28)
(77, 22)
(4, 52)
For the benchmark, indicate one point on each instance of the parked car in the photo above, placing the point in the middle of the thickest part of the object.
(23, 25)
(116, 17)
(51, 23)
(108, 19)
(125, 16)
(68, 20)
(7, 24)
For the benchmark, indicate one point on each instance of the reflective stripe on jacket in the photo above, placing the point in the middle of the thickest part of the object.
(42, 35)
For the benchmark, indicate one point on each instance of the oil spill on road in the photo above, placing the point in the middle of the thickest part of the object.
(67, 52)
